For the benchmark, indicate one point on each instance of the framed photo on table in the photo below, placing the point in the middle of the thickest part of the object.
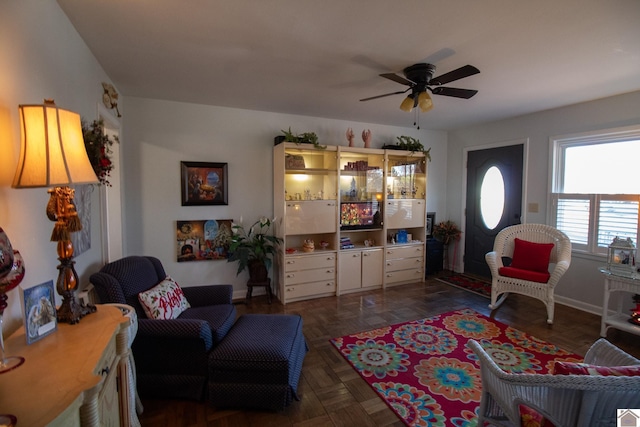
(40, 318)
(204, 183)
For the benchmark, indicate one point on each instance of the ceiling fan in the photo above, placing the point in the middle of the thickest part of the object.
(420, 81)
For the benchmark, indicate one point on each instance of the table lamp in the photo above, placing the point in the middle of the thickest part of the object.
(53, 154)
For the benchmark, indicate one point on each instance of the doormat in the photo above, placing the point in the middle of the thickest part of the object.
(426, 373)
(468, 283)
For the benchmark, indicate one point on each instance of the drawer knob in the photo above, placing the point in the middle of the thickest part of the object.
(289, 276)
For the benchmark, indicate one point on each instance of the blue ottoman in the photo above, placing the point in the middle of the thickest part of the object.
(258, 363)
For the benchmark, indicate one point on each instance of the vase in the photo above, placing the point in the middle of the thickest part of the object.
(258, 271)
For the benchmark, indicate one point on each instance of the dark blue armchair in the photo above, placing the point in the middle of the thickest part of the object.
(170, 355)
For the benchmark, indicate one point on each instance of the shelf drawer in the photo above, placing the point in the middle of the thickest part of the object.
(309, 289)
(311, 217)
(305, 276)
(306, 262)
(404, 263)
(415, 274)
(404, 251)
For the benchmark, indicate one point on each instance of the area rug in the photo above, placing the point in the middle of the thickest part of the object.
(426, 374)
(468, 283)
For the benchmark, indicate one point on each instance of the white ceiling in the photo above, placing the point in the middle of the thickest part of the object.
(319, 57)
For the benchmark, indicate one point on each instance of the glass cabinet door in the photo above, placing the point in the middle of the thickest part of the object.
(361, 189)
(406, 177)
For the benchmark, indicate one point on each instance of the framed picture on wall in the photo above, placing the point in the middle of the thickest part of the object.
(204, 183)
(431, 219)
(202, 240)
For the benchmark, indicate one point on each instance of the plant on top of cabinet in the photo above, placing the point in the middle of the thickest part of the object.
(302, 138)
(409, 143)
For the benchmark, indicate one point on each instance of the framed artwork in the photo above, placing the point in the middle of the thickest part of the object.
(431, 219)
(204, 183)
(203, 240)
(40, 318)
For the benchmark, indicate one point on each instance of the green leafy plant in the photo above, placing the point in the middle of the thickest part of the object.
(303, 138)
(255, 244)
(98, 146)
(412, 144)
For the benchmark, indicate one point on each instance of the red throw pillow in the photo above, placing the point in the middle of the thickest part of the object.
(571, 368)
(517, 273)
(531, 256)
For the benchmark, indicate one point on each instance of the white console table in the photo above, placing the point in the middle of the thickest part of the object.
(618, 282)
(78, 376)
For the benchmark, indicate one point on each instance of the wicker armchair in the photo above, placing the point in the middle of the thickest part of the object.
(564, 400)
(171, 356)
(503, 247)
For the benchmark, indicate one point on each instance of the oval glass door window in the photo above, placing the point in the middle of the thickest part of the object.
(492, 197)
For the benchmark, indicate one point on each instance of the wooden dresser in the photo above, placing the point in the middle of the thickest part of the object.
(77, 376)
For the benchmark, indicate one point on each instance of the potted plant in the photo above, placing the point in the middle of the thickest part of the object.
(254, 249)
(409, 143)
(446, 232)
(303, 138)
(98, 145)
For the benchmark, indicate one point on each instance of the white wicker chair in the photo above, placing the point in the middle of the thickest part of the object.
(565, 400)
(503, 246)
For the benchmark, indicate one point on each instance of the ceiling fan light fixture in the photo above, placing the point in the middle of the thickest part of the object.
(425, 102)
(407, 104)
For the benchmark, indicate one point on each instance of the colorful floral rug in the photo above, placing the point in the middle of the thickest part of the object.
(426, 374)
(468, 283)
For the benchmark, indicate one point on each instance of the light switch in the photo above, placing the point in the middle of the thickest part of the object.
(532, 208)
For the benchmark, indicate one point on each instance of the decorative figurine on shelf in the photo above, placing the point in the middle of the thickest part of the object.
(350, 136)
(366, 137)
(308, 245)
(635, 312)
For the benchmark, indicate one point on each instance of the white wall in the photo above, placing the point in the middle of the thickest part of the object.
(582, 285)
(160, 134)
(41, 56)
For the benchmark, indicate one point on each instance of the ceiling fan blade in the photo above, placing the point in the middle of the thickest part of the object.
(453, 91)
(460, 73)
(386, 94)
(396, 78)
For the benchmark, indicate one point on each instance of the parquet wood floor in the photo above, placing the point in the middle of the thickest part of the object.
(332, 393)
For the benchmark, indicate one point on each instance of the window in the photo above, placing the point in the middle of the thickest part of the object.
(596, 187)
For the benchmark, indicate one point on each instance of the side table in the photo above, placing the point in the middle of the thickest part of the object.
(251, 284)
(618, 282)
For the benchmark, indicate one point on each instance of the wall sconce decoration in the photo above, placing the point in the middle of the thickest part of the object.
(110, 97)
(52, 154)
(621, 257)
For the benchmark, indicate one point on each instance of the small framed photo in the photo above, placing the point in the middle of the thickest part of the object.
(40, 318)
(431, 219)
(204, 183)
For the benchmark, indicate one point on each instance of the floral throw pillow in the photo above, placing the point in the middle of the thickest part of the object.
(164, 301)
(570, 368)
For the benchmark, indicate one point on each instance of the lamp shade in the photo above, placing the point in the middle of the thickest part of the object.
(407, 104)
(52, 151)
(424, 101)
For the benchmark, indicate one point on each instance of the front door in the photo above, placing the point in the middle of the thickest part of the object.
(493, 202)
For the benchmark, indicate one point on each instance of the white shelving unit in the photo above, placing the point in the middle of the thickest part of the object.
(619, 283)
(356, 201)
